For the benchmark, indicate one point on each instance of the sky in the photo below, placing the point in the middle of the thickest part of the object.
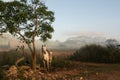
(85, 17)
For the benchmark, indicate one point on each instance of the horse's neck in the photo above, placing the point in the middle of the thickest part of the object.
(45, 52)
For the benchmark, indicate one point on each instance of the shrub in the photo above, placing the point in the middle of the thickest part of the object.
(61, 64)
(9, 58)
(97, 53)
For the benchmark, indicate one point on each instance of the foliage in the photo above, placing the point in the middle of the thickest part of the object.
(19, 18)
(8, 58)
(97, 53)
(61, 64)
(27, 21)
(112, 43)
(2, 75)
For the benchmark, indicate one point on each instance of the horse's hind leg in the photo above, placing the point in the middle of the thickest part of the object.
(50, 65)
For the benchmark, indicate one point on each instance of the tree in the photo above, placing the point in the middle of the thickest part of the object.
(26, 21)
(112, 43)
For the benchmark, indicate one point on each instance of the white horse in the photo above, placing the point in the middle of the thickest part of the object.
(47, 57)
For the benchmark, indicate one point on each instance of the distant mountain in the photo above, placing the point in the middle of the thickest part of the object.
(70, 43)
(75, 42)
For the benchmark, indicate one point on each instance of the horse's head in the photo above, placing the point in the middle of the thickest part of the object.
(44, 47)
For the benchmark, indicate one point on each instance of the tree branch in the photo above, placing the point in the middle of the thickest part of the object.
(26, 42)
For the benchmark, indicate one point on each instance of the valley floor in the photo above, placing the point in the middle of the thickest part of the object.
(89, 71)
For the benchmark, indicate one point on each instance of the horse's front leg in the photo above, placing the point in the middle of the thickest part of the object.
(44, 64)
(48, 66)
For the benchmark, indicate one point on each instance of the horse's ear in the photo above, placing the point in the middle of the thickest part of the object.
(45, 45)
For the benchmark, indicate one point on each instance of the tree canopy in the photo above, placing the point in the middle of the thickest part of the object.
(20, 17)
(27, 20)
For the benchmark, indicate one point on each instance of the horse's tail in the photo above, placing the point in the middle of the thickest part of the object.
(50, 56)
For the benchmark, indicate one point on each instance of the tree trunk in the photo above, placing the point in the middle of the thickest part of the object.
(34, 62)
(34, 45)
(34, 57)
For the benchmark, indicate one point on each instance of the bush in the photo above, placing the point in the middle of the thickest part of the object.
(61, 64)
(9, 58)
(97, 53)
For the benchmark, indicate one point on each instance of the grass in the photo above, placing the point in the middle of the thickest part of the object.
(90, 69)
(67, 69)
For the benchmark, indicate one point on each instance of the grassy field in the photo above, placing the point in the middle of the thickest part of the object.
(88, 71)
(65, 69)
(91, 71)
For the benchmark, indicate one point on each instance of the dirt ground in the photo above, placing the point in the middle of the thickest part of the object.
(89, 71)
(75, 75)
(84, 71)
(74, 71)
